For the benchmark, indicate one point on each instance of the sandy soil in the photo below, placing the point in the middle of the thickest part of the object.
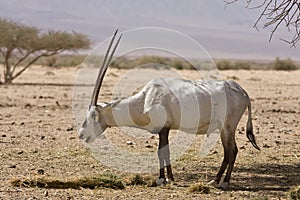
(38, 137)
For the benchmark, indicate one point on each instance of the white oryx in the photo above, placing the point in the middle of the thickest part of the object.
(171, 103)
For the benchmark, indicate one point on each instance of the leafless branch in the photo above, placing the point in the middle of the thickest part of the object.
(278, 14)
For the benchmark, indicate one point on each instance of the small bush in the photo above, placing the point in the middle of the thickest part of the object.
(286, 65)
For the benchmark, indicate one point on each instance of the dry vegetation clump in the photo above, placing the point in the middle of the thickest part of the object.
(284, 65)
(230, 65)
(138, 180)
(134, 180)
(200, 188)
(107, 181)
(151, 61)
(294, 193)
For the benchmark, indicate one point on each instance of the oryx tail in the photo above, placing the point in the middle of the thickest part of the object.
(249, 130)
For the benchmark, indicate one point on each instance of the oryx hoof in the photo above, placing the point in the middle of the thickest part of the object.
(224, 186)
(162, 181)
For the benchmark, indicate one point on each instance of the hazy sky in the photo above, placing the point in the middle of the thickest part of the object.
(223, 32)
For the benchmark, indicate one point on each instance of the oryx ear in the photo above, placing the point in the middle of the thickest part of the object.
(103, 104)
(114, 103)
(110, 104)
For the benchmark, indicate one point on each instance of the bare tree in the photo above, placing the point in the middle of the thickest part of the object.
(22, 45)
(277, 14)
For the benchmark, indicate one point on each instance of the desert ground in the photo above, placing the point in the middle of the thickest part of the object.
(38, 138)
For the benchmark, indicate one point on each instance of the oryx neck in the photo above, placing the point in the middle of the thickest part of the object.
(117, 114)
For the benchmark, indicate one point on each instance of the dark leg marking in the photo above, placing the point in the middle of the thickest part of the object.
(164, 154)
(232, 157)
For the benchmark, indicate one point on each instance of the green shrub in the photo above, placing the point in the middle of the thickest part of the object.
(286, 65)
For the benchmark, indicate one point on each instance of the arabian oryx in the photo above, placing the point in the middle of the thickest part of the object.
(158, 108)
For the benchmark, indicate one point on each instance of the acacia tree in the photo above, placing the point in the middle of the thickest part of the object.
(22, 45)
(278, 14)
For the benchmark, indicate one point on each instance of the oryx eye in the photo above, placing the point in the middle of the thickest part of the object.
(94, 115)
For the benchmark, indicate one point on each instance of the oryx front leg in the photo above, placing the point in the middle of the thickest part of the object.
(164, 157)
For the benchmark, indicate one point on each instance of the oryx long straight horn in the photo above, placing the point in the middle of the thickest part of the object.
(103, 69)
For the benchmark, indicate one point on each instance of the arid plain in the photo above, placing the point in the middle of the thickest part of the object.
(38, 138)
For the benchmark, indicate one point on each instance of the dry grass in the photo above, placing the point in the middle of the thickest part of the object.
(106, 181)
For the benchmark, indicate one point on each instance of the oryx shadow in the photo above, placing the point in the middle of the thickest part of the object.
(267, 177)
(255, 177)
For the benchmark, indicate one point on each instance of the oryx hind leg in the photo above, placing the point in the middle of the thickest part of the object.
(230, 153)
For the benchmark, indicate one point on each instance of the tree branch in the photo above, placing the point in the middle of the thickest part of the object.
(21, 60)
(284, 13)
(46, 54)
(2, 52)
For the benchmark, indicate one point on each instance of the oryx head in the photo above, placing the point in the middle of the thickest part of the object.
(94, 123)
